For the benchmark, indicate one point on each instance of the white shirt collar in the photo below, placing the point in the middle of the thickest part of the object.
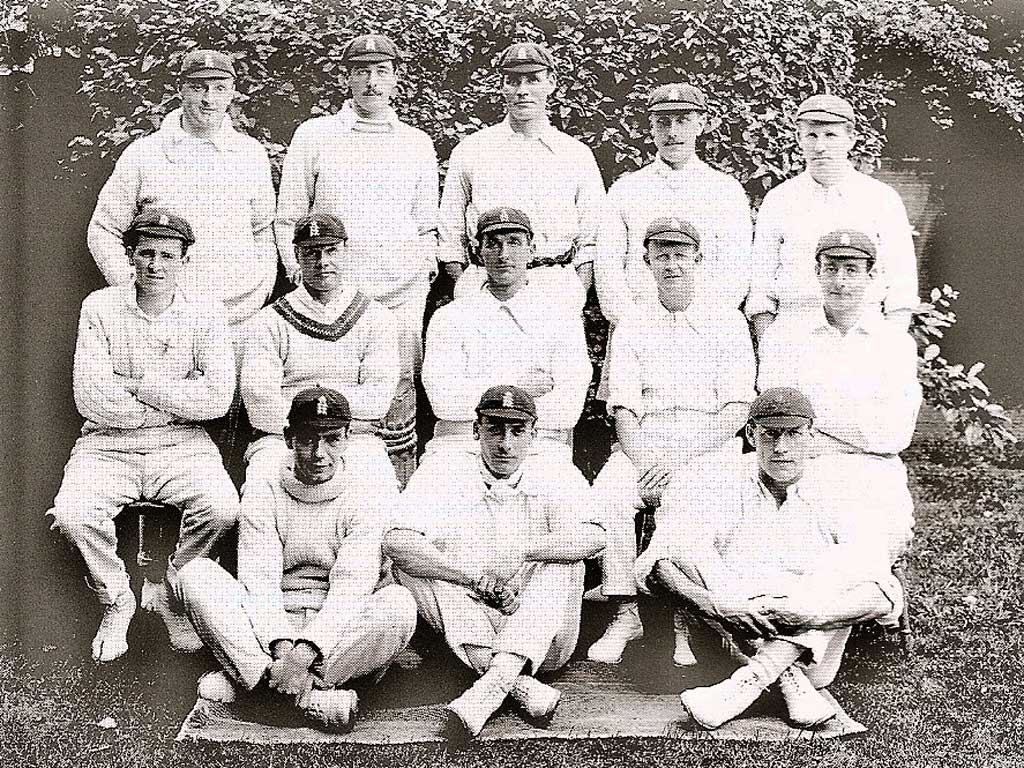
(225, 139)
(347, 117)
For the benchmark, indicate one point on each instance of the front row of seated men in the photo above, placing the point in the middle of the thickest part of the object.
(487, 540)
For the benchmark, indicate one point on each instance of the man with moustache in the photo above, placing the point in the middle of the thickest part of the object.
(861, 374)
(766, 551)
(676, 181)
(681, 380)
(509, 329)
(492, 551)
(378, 175)
(829, 195)
(151, 361)
(525, 163)
(305, 615)
(325, 332)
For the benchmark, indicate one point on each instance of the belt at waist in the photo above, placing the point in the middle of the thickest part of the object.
(446, 428)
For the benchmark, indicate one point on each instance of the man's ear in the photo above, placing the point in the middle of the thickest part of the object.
(749, 429)
(476, 430)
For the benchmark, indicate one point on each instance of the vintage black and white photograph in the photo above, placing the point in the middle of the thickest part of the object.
(503, 383)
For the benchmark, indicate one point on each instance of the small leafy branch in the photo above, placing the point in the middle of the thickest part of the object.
(960, 395)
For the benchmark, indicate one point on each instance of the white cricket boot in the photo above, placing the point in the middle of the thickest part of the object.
(806, 706)
(623, 629)
(537, 700)
(682, 655)
(469, 713)
(714, 705)
(111, 640)
(334, 710)
(217, 686)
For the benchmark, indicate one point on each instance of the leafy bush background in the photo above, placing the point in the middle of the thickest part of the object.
(756, 59)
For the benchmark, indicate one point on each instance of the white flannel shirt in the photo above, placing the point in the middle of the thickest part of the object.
(478, 342)
(795, 215)
(280, 361)
(553, 178)
(863, 384)
(118, 342)
(383, 186)
(221, 186)
(712, 201)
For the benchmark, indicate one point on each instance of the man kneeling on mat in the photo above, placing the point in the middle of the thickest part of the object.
(304, 616)
(492, 551)
(776, 560)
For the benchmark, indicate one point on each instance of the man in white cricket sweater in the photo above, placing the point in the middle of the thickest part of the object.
(151, 361)
(378, 175)
(305, 615)
(325, 332)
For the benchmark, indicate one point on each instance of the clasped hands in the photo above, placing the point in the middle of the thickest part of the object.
(499, 584)
(289, 672)
(764, 616)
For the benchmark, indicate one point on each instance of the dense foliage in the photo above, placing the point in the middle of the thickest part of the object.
(755, 58)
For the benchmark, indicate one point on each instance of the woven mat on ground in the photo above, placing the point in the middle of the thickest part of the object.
(594, 705)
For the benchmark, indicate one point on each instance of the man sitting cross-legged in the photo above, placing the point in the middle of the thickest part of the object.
(771, 557)
(151, 361)
(304, 616)
(492, 553)
(681, 379)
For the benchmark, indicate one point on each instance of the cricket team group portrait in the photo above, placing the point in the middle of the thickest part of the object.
(338, 400)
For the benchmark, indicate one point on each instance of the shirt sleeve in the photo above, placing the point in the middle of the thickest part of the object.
(458, 190)
(378, 370)
(100, 394)
(452, 388)
(261, 564)
(610, 258)
(765, 258)
(208, 392)
(896, 252)
(354, 575)
(263, 374)
(425, 204)
(295, 196)
(263, 204)
(736, 237)
(625, 372)
(590, 208)
(571, 371)
(734, 381)
(116, 206)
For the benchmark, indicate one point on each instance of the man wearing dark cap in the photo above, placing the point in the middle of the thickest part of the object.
(861, 374)
(306, 614)
(199, 166)
(327, 331)
(829, 195)
(378, 175)
(681, 377)
(492, 551)
(763, 549)
(151, 361)
(511, 329)
(676, 181)
(525, 163)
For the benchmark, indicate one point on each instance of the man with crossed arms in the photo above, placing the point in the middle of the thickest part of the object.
(492, 553)
(682, 376)
(861, 374)
(773, 555)
(379, 176)
(526, 163)
(305, 615)
(326, 331)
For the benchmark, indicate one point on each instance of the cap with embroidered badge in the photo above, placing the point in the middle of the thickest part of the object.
(319, 229)
(207, 65)
(677, 97)
(846, 244)
(672, 229)
(318, 408)
(159, 222)
(369, 49)
(781, 408)
(525, 57)
(825, 108)
(505, 401)
(503, 219)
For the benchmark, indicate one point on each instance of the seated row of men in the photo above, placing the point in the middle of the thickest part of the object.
(379, 175)
(151, 363)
